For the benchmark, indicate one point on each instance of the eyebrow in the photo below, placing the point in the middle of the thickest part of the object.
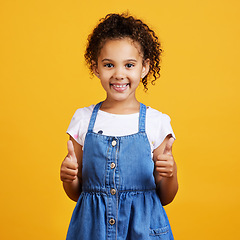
(127, 60)
(106, 59)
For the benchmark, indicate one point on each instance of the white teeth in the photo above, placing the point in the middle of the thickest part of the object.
(120, 85)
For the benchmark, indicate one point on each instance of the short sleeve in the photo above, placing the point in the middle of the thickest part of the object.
(74, 127)
(164, 130)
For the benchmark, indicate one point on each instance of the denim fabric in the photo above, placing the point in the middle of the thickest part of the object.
(118, 199)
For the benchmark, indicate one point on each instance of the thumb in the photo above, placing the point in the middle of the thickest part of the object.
(168, 147)
(71, 152)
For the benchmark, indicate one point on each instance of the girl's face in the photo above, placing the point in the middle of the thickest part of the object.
(120, 68)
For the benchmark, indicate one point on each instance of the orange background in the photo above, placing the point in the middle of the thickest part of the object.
(44, 80)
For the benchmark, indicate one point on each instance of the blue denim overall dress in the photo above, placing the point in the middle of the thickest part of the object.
(118, 199)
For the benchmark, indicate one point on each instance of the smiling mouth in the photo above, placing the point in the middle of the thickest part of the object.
(119, 87)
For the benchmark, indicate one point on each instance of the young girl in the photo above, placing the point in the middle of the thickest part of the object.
(120, 169)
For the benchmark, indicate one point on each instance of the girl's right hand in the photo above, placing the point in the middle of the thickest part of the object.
(69, 167)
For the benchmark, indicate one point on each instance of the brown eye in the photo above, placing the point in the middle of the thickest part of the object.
(108, 65)
(129, 65)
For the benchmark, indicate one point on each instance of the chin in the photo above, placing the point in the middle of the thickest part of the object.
(119, 98)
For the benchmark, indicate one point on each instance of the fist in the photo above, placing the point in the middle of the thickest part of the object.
(164, 163)
(69, 167)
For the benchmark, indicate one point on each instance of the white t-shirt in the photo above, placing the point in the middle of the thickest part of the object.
(157, 125)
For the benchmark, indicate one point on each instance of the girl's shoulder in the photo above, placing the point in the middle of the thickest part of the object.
(156, 115)
(84, 112)
(158, 126)
(79, 123)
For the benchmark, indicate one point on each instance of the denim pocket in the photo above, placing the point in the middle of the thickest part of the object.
(160, 233)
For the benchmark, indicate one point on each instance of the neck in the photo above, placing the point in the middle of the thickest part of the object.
(120, 107)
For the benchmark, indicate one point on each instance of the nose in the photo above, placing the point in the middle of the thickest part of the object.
(119, 73)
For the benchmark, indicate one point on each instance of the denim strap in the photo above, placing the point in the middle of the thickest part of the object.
(93, 117)
(142, 117)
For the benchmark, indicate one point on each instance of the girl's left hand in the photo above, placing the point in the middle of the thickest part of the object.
(164, 163)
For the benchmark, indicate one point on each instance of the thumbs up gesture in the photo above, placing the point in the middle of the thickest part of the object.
(164, 162)
(69, 167)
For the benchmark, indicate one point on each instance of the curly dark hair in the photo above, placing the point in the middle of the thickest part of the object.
(118, 26)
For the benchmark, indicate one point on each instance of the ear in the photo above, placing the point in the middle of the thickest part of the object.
(95, 69)
(146, 66)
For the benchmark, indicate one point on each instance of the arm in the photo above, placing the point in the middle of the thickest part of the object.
(165, 171)
(71, 170)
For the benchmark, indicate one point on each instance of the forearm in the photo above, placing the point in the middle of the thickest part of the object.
(73, 189)
(167, 188)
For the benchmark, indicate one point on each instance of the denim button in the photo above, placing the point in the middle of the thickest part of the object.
(112, 221)
(114, 142)
(113, 191)
(113, 165)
